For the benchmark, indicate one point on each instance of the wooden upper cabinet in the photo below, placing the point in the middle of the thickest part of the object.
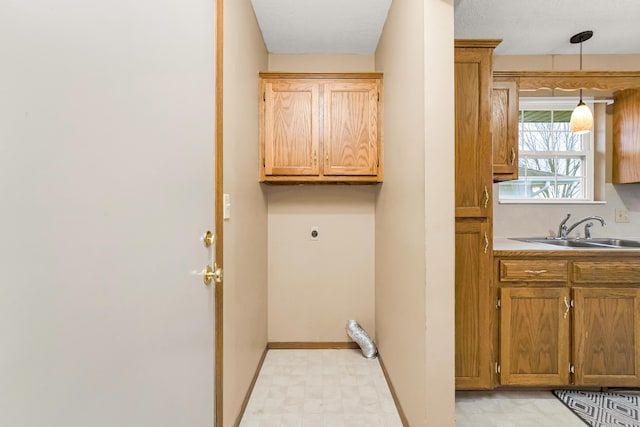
(626, 136)
(504, 109)
(473, 90)
(291, 125)
(321, 127)
(351, 128)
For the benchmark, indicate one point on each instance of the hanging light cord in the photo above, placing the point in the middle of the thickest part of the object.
(580, 56)
(580, 70)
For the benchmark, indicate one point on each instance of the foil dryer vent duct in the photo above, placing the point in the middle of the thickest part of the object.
(360, 336)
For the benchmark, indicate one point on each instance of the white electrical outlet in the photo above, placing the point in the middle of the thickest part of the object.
(315, 232)
(622, 215)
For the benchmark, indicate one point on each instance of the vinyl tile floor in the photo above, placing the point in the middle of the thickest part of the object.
(320, 388)
(512, 409)
(341, 388)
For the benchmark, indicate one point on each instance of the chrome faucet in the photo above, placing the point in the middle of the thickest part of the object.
(587, 230)
(563, 230)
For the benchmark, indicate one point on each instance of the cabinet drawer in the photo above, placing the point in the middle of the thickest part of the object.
(606, 272)
(525, 270)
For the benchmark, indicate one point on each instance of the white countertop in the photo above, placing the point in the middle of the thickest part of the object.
(507, 244)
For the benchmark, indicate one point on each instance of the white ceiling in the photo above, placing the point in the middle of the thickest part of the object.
(545, 26)
(531, 27)
(321, 26)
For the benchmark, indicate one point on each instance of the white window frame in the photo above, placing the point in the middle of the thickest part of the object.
(564, 103)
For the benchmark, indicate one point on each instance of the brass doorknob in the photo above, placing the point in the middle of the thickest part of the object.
(212, 274)
(208, 238)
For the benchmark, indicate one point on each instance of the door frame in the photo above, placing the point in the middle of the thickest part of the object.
(218, 212)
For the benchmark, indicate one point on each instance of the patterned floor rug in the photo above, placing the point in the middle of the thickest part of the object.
(600, 409)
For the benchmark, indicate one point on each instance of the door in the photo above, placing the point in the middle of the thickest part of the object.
(607, 336)
(473, 282)
(504, 111)
(534, 336)
(107, 184)
(351, 129)
(291, 127)
(473, 84)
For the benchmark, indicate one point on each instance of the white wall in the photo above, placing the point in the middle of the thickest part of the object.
(542, 220)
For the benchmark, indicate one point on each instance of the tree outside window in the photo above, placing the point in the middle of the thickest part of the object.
(554, 164)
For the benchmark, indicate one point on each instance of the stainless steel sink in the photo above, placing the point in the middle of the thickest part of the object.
(616, 242)
(558, 242)
(595, 243)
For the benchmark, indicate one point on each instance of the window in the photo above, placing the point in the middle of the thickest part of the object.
(554, 164)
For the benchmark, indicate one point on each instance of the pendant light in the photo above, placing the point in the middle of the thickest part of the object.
(582, 117)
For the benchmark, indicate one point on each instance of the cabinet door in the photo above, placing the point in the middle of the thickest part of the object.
(504, 110)
(473, 283)
(534, 336)
(626, 137)
(291, 127)
(606, 332)
(473, 81)
(351, 132)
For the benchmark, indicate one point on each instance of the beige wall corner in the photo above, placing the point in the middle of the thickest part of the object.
(439, 213)
(415, 211)
(316, 286)
(321, 63)
(245, 233)
(400, 210)
(566, 62)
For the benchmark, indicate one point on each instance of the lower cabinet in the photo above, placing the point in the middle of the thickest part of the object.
(607, 336)
(568, 321)
(534, 336)
(473, 305)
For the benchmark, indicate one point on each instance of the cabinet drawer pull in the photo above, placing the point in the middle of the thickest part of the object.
(486, 242)
(535, 271)
(566, 304)
(513, 155)
(486, 197)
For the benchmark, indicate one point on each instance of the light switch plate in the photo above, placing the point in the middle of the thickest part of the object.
(226, 206)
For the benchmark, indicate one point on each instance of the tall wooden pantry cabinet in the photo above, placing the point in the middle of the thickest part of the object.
(474, 211)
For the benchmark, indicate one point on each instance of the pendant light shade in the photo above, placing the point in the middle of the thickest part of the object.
(582, 117)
